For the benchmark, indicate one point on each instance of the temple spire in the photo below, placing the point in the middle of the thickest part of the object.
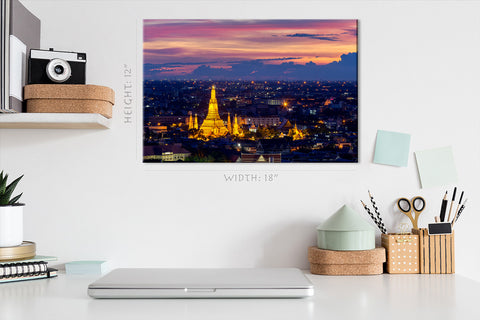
(229, 124)
(190, 122)
(213, 126)
(213, 95)
(235, 132)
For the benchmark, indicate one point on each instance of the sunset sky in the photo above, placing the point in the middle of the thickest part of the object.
(178, 47)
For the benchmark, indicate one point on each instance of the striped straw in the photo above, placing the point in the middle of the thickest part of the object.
(379, 218)
(379, 225)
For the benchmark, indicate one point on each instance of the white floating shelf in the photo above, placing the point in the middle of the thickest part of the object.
(54, 121)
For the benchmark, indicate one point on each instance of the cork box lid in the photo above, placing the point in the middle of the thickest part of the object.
(69, 91)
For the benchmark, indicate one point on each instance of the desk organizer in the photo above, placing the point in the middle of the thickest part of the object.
(437, 252)
(69, 98)
(357, 262)
(402, 252)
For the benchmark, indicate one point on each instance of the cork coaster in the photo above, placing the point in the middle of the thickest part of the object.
(69, 98)
(346, 269)
(365, 257)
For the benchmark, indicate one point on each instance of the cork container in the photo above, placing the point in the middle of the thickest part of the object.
(69, 98)
(402, 252)
(356, 262)
(437, 252)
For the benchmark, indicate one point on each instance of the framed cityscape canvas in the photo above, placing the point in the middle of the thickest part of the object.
(250, 91)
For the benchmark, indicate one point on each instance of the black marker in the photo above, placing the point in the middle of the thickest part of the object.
(451, 204)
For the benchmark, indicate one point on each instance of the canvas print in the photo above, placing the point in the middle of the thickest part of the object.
(250, 91)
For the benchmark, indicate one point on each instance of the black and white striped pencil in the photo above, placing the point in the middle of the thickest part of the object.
(375, 220)
(379, 218)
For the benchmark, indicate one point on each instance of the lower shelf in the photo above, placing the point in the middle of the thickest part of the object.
(54, 121)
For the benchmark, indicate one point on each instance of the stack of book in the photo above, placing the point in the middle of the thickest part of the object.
(20, 270)
(19, 32)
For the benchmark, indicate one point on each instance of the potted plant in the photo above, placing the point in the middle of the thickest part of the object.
(11, 213)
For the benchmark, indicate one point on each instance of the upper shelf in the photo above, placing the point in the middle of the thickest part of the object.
(54, 121)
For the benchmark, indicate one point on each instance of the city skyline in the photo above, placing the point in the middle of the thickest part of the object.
(250, 49)
(250, 91)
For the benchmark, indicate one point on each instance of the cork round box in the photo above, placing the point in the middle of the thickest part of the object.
(69, 98)
(337, 262)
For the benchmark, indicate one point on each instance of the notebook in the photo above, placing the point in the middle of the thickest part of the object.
(202, 283)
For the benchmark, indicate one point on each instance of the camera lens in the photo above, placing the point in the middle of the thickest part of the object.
(58, 70)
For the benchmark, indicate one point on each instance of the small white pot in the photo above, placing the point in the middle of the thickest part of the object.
(11, 226)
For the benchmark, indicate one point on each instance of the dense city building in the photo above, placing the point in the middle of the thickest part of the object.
(250, 121)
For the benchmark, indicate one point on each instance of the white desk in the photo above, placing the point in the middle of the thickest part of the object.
(369, 297)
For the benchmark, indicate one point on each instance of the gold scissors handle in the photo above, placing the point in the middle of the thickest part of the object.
(417, 205)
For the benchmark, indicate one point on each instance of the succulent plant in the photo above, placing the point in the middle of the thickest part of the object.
(6, 191)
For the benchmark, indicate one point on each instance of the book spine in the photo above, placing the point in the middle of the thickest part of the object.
(20, 269)
(6, 55)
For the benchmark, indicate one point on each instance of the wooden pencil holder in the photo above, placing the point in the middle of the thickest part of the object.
(437, 252)
(402, 252)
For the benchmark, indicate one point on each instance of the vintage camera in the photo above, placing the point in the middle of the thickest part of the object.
(48, 66)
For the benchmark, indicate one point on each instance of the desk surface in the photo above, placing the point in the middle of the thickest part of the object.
(366, 297)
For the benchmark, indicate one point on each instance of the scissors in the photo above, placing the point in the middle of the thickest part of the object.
(417, 204)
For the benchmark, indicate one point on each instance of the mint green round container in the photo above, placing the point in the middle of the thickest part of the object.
(345, 230)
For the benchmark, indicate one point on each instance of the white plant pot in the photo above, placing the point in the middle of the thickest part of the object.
(11, 226)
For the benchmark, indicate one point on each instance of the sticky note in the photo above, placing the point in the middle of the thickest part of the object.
(436, 167)
(392, 148)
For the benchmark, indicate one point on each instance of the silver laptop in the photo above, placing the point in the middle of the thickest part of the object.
(202, 283)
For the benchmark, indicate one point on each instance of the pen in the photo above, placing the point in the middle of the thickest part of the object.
(444, 207)
(458, 207)
(451, 204)
(459, 212)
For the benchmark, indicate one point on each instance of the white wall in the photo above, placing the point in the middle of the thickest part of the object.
(89, 196)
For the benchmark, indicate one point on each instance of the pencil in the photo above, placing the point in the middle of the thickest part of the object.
(451, 204)
(377, 212)
(444, 207)
(379, 225)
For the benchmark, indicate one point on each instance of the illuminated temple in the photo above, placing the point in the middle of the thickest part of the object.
(213, 126)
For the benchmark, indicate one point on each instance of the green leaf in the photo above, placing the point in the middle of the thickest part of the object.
(3, 183)
(14, 199)
(11, 187)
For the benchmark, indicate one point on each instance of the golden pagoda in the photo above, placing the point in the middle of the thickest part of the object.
(190, 122)
(195, 125)
(213, 126)
(236, 130)
(229, 124)
(296, 134)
